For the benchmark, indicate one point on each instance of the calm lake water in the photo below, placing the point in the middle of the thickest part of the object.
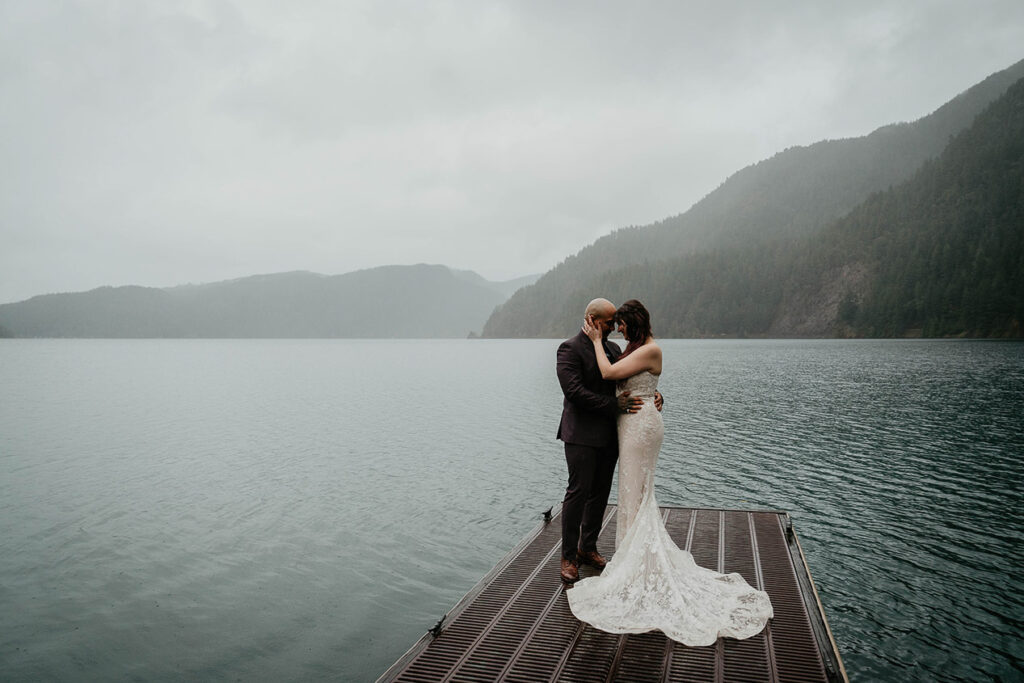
(306, 509)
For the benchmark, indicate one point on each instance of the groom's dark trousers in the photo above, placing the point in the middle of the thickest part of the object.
(588, 430)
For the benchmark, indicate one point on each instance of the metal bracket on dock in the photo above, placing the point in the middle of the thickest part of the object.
(547, 515)
(435, 630)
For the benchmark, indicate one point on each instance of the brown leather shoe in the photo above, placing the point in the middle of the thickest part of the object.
(570, 574)
(591, 557)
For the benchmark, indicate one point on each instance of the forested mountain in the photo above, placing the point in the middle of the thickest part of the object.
(944, 253)
(390, 301)
(780, 201)
(941, 254)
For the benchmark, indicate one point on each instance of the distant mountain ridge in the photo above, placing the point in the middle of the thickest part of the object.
(419, 301)
(505, 287)
(793, 195)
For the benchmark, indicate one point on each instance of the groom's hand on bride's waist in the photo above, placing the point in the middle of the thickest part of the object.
(659, 400)
(629, 404)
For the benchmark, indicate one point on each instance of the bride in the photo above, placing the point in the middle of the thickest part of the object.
(650, 583)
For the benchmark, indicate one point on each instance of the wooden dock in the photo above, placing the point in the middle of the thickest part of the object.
(515, 624)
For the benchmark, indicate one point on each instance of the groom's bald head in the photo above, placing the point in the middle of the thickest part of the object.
(600, 308)
(602, 312)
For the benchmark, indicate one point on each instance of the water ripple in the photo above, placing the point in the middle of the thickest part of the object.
(295, 509)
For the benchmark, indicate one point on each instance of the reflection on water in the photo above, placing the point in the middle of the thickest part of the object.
(293, 509)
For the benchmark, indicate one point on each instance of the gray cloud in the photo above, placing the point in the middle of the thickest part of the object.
(157, 143)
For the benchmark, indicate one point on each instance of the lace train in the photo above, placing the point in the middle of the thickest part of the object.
(650, 583)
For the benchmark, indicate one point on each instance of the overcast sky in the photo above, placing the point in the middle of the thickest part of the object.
(160, 143)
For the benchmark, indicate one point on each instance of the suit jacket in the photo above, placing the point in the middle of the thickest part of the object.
(590, 408)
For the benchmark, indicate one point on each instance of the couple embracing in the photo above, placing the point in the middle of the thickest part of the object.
(612, 412)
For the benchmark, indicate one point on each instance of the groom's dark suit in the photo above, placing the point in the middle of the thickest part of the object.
(588, 428)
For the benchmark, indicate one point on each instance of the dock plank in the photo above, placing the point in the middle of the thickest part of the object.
(516, 625)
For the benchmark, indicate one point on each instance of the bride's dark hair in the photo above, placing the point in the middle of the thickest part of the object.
(637, 321)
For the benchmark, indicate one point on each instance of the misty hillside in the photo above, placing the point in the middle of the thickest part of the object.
(941, 254)
(418, 301)
(793, 195)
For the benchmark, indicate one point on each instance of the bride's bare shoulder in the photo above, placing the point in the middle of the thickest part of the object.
(654, 357)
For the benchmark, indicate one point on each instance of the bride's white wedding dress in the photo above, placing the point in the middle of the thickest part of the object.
(650, 583)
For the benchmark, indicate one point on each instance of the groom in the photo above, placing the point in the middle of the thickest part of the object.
(588, 430)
